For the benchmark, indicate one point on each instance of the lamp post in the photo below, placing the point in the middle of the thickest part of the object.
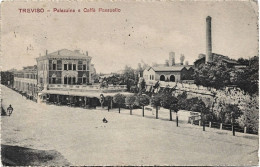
(10, 110)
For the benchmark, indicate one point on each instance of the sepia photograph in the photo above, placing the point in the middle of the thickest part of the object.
(120, 83)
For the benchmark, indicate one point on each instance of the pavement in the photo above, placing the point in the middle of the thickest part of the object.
(82, 138)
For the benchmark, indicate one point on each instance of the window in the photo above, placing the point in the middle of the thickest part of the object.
(84, 67)
(53, 81)
(80, 65)
(59, 65)
(53, 66)
(65, 80)
(74, 67)
(50, 64)
(87, 65)
(65, 66)
(74, 80)
(84, 79)
(69, 80)
(70, 66)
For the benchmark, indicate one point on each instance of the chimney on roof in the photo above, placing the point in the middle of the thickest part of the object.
(208, 40)
(46, 52)
(86, 53)
(58, 52)
(171, 58)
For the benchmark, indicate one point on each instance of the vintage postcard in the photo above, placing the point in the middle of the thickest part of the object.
(119, 83)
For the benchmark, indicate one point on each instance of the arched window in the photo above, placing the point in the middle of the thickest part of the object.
(53, 79)
(172, 78)
(74, 80)
(69, 80)
(84, 77)
(162, 78)
(65, 80)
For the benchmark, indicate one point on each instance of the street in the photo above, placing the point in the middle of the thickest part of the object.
(83, 139)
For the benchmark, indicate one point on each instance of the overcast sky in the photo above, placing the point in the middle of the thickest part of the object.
(145, 31)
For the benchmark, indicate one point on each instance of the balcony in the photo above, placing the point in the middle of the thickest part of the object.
(87, 88)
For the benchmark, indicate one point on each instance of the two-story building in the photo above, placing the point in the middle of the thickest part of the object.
(25, 81)
(64, 67)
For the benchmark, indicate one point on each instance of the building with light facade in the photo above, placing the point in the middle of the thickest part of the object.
(64, 77)
(25, 81)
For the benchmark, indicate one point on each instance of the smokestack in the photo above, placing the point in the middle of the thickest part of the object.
(171, 58)
(46, 52)
(182, 59)
(208, 40)
(86, 53)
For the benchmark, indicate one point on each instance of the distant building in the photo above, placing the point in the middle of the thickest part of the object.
(25, 81)
(230, 62)
(169, 73)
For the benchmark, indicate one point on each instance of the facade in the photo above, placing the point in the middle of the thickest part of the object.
(64, 67)
(25, 81)
(170, 74)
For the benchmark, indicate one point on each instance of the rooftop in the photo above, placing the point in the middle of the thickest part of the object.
(65, 54)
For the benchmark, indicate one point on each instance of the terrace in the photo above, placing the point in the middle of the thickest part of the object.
(83, 88)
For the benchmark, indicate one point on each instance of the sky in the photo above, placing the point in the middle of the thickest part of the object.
(142, 31)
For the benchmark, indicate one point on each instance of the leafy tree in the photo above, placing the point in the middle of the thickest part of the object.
(247, 79)
(156, 101)
(243, 61)
(109, 102)
(215, 74)
(120, 100)
(130, 101)
(250, 119)
(142, 100)
(182, 101)
(200, 106)
(170, 102)
(129, 77)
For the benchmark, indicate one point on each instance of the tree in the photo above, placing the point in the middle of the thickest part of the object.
(170, 102)
(232, 112)
(129, 77)
(109, 102)
(215, 74)
(130, 101)
(247, 78)
(120, 100)
(156, 101)
(182, 101)
(200, 106)
(142, 100)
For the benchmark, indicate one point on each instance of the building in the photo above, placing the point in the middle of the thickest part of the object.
(65, 78)
(25, 82)
(64, 67)
(169, 73)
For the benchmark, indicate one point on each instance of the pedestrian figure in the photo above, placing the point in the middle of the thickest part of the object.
(10, 110)
(104, 120)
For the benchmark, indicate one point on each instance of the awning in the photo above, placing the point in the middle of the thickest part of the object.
(87, 94)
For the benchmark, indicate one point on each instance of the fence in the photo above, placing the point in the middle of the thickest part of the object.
(223, 126)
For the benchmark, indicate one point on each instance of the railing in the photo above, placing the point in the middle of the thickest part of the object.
(222, 126)
(185, 87)
(87, 87)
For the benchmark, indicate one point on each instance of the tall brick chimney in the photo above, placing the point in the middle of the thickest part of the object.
(208, 40)
(86, 53)
(46, 52)
(171, 58)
